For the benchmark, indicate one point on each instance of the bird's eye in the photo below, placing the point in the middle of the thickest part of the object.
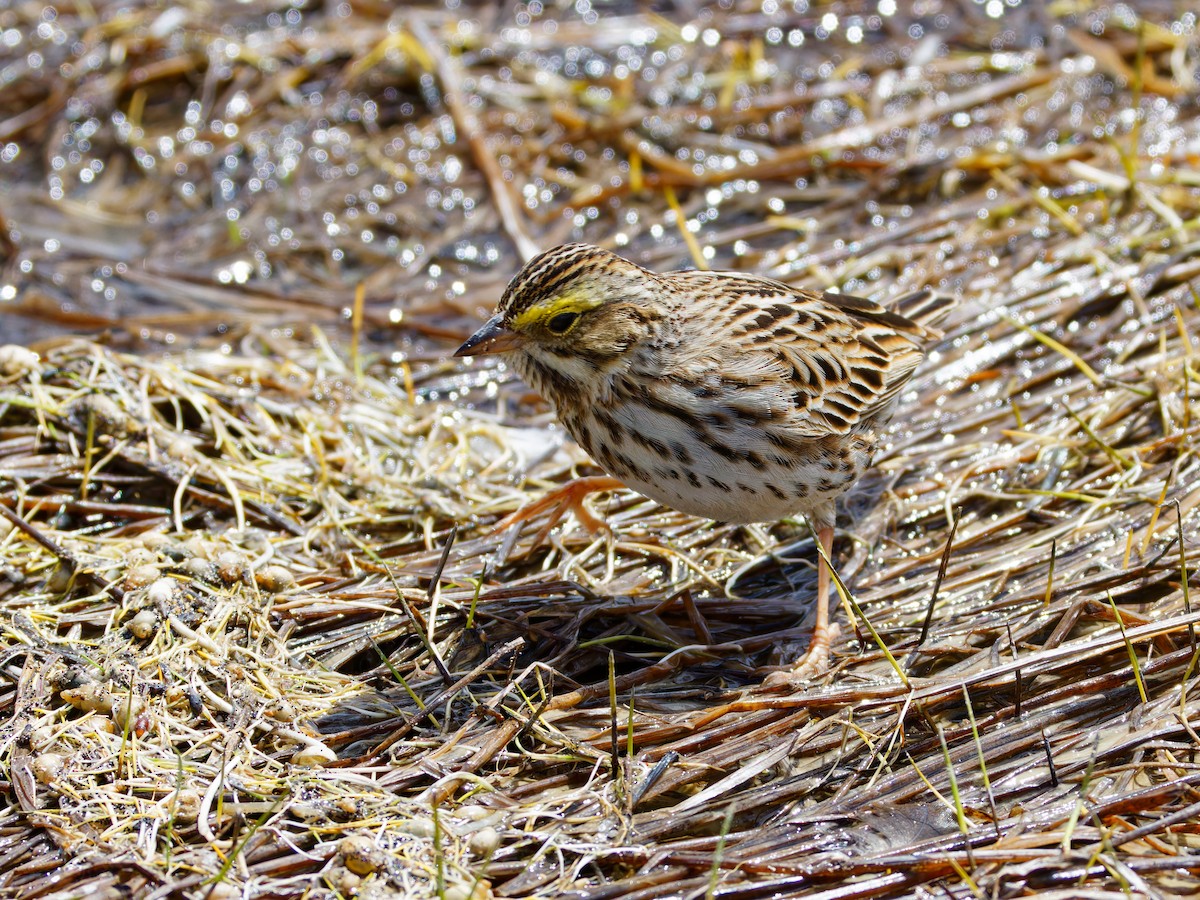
(562, 323)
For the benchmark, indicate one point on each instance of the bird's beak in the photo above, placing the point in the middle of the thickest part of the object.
(493, 337)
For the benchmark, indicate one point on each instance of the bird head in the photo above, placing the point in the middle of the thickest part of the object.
(576, 309)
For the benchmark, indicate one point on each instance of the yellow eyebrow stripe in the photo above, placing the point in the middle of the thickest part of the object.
(543, 312)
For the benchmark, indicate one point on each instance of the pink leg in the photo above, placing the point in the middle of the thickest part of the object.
(816, 660)
(568, 498)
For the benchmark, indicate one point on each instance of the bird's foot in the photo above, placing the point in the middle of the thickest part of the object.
(814, 663)
(568, 498)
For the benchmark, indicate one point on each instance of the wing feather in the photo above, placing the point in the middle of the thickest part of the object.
(819, 363)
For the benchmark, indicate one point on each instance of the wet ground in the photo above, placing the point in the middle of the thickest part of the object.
(276, 221)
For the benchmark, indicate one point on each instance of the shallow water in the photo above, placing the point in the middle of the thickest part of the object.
(161, 175)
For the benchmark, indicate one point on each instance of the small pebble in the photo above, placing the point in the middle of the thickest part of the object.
(144, 625)
(139, 556)
(223, 890)
(125, 711)
(253, 540)
(314, 755)
(17, 360)
(163, 591)
(60, 580)
(89, 697)
(418, 826)
(232, 567)
(201, 569)
(197, 546)
(361, 855)
(177, 446)
(42, 737)
(307, 812)
(479, 890)
(281, 710)
(275, 579)
(140, 576)
(155, 541)
(484, 842)
(47, 767)
(185, 805)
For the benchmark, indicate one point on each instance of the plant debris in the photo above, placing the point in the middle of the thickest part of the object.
(259, 635)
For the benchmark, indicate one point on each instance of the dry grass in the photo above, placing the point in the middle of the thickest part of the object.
(258, 636)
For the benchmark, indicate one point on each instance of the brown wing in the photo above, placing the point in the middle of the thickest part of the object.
(831, 360)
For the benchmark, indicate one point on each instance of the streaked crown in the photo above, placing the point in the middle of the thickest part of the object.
(568, 268)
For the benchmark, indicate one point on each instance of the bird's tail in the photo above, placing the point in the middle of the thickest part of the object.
(925, 308)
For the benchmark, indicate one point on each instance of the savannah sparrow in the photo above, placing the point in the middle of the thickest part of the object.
(719, 394)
